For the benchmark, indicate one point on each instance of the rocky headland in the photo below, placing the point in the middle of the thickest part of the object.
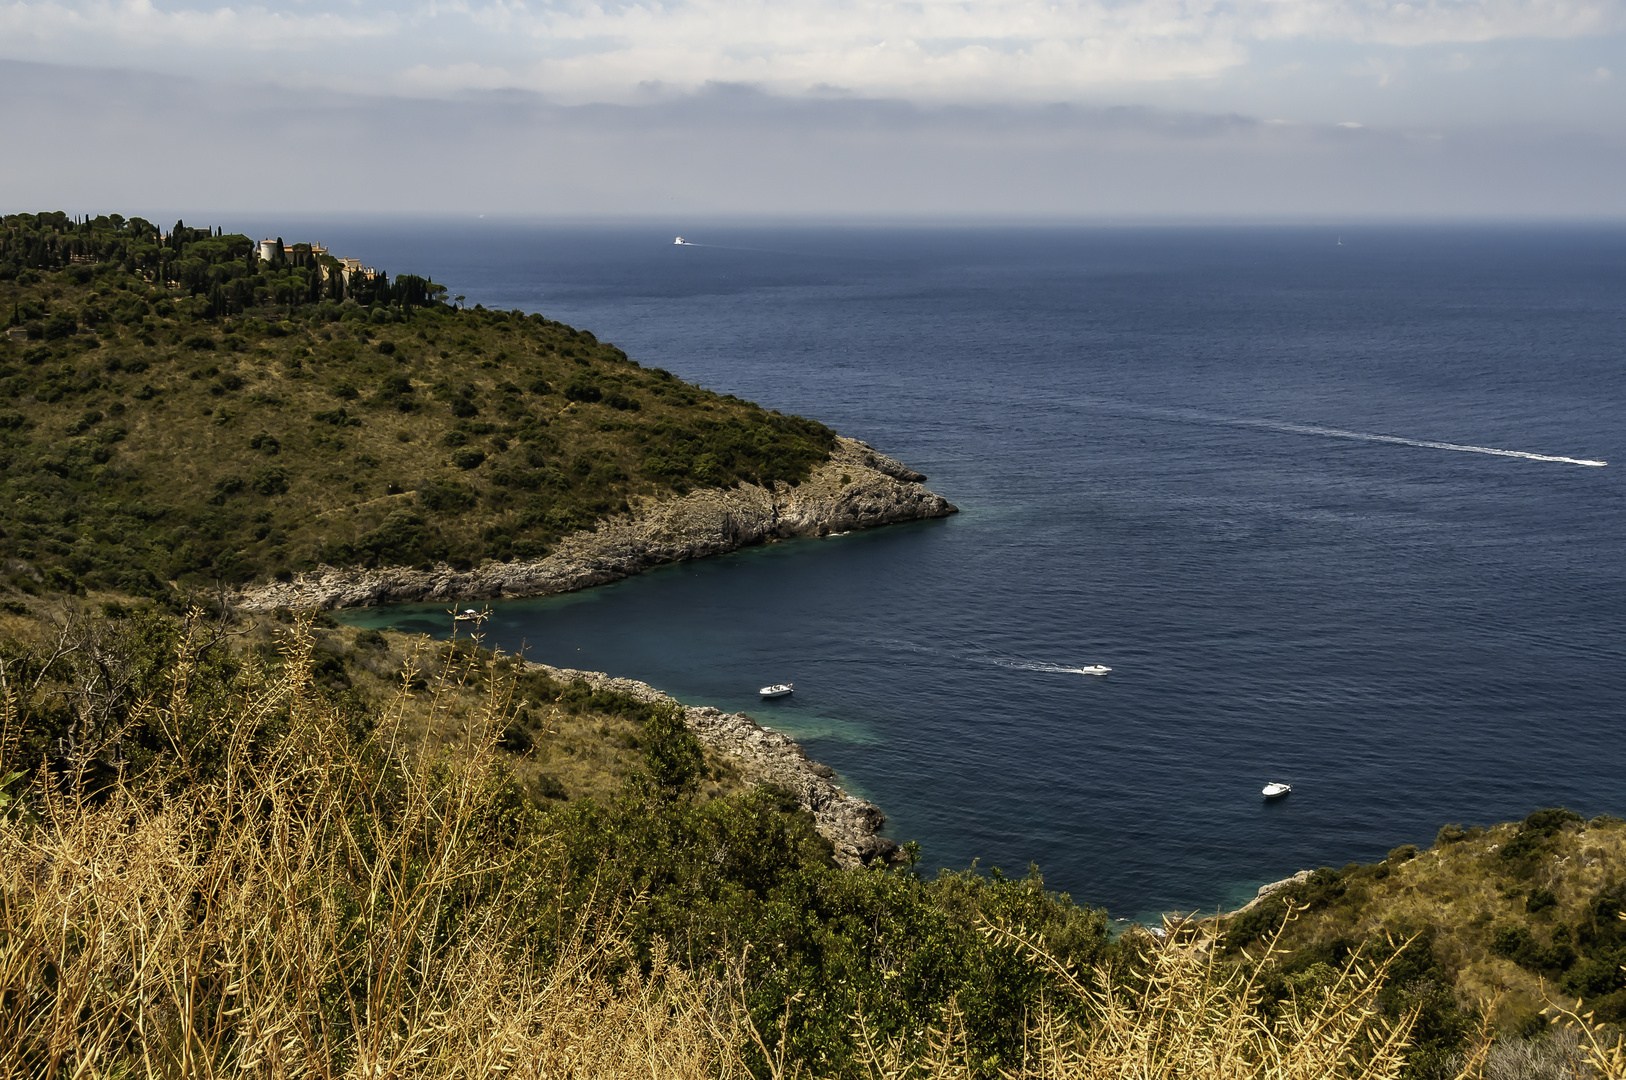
(767, 756)
(1268, 890)
(856, 488)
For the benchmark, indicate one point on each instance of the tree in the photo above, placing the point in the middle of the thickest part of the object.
(672, 755)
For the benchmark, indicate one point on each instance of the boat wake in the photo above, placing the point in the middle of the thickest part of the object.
(1399, 440)
(1289, 428)
(1029, 665)
(994, 660)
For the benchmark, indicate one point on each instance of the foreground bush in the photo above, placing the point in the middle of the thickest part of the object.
(317, 906)
(282, 891)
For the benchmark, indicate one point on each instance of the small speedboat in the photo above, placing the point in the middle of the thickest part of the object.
(466, 615)
(1276, 791)
(1094, 669)
(776, 690)
(680, 242)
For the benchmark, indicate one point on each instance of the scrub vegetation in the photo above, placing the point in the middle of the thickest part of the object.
(1504, 922)
(283, 848)
(175, 408)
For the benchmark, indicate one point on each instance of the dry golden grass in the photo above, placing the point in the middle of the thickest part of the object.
(589, 753)
(328, 906)
(1190, 1014)
(310, 913)
(1464, 891)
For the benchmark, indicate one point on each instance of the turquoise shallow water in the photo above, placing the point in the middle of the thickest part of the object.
(1156, 437)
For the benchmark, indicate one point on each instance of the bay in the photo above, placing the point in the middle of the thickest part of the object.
(1160, 440)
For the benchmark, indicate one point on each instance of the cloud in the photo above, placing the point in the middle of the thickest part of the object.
(582, 50)
(730, 150)
(140, 24)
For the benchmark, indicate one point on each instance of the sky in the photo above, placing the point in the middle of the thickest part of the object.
(976, 109)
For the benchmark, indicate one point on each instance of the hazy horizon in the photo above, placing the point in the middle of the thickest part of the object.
(993, 109)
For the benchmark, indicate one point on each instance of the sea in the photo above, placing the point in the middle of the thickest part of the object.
(1341, 507)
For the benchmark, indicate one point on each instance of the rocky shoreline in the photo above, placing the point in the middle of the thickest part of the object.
(767, 756)
(856, 488)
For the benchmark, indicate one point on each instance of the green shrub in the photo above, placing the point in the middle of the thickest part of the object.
(271, 480)
(446, 498)
(1548, 822)
(1450, 834)
(583, 389)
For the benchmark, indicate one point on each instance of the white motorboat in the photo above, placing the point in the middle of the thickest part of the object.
(1276, 791)
(1094, 669)
(466, 615)
(680, 242)
(776, 690)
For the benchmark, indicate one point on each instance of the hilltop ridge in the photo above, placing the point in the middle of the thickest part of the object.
(179, 409)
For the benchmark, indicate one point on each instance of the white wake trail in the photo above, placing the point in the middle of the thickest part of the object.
(1026, 665)
(1201, 417)
(979, 657)
(1367, 436)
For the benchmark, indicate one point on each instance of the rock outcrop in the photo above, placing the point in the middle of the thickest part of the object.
(1272, 888)
(857, 488)
(767, 756)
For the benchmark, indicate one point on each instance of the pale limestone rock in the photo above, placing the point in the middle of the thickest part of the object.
(878, 491)
(767, 756)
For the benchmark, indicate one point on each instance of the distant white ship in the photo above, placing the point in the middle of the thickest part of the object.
(777, 690)
(682, 242)
(1094, 669)
(1276, 791)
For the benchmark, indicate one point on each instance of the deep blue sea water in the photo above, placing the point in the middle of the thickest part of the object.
(1153, 435)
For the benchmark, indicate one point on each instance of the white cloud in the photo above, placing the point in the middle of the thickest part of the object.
(140, 24)
(604, 49)
(734, 151)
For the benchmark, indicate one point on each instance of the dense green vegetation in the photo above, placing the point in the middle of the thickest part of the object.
(1496, 918)
(638, 827)
(224, 856)
(734, 882)
(174, 408)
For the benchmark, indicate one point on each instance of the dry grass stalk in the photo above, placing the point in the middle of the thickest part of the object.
(315, 907)
(1604, 1050)
(1195, 1018)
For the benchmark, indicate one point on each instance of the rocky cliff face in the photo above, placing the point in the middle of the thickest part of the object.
(857, 488)
(768, 756)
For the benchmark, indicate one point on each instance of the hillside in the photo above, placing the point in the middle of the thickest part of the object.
(1507, 918)
(557, 831)
(174, 407)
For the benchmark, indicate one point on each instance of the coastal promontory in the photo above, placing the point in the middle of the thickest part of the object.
(187, 411)
(855, 488)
